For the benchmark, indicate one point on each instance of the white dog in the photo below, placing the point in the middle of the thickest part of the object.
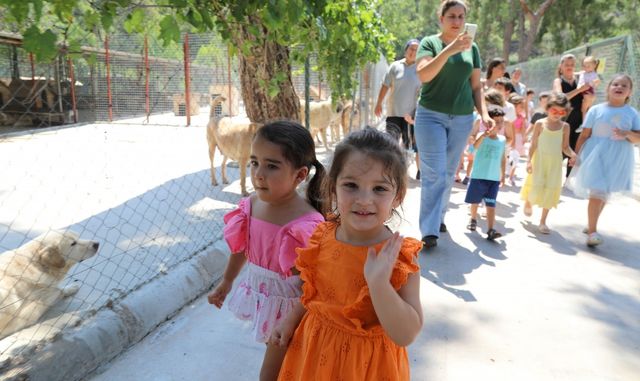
(30, 274)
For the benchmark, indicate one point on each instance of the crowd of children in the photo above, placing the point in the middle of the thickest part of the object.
(330, 288)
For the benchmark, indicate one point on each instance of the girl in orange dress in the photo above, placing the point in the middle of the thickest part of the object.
(360, 304)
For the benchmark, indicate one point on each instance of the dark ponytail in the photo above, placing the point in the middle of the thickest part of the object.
(314, 189)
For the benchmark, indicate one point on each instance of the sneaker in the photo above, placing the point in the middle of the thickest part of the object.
(544, 229)
(492, 234)
(594, 240)
(443, 228)
(472, 225)
(465, 181)
(429, 241)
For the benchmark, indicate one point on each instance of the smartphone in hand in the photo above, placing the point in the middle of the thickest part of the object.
(470, 29)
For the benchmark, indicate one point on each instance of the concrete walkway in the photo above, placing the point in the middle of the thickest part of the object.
(528, 307)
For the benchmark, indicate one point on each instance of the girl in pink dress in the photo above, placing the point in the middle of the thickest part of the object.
(519, 130)
(266, 229)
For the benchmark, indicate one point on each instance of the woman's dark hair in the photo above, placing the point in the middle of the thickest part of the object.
(445, 5)
(377, 145)
(300, 150)
(497, 61)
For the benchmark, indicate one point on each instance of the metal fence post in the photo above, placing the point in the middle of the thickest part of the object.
(229, 80)
(187, 79)
(106, 59)
(73, 90)
(147, 108)
(307, 98)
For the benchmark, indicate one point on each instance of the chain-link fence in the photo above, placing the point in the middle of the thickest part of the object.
(616, 55)
(127, 79)
(129, 176)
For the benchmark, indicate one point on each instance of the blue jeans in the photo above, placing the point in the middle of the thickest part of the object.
(440, 138)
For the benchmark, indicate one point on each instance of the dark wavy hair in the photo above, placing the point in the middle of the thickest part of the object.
(299, 149)
(497, 61)
(379, 146)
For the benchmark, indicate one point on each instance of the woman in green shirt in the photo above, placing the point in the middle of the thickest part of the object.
(448, 65)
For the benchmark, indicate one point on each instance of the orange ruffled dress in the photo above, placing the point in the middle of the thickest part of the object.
(340, 337)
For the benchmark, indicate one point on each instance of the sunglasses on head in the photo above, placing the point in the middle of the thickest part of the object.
(557, 112)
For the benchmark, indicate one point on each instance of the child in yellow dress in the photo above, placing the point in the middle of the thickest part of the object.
(544, 166)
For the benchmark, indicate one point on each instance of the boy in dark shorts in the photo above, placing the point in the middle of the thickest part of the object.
(488, 173)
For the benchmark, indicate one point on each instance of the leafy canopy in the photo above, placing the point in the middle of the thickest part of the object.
(345, 35)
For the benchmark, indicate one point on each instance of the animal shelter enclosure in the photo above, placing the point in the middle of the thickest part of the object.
(121, 76)
(137, 185)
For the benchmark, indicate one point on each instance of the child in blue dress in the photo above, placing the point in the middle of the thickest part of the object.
(606, 160)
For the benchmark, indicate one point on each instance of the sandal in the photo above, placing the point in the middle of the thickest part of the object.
(472, 225)
(527, 210)
(544, 229)
(492, 234)
(594, 240)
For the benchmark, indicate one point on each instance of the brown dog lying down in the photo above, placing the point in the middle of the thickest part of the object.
(232, 136)
(30, 274)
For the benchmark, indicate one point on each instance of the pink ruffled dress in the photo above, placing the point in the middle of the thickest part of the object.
(269, 289)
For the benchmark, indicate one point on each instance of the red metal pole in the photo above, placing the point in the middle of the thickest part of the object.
(147, 109)
(187, 79)
(106, 58)
(229, 82)
(73, 90)
(33, 72)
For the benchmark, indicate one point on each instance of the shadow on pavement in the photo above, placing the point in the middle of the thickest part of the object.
(555, 240)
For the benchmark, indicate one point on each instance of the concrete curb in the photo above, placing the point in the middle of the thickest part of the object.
(77, 352)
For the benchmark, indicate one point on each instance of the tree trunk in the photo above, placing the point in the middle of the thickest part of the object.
(507, 34)
(257, 68)
(530, 34)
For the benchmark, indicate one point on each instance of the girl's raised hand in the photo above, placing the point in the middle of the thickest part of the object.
(378, 267)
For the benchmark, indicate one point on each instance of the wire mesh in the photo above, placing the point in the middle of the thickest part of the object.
(143, 193)
(139, 186)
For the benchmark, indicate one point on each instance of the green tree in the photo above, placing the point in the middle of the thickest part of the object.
(344, 35)
(407, 19)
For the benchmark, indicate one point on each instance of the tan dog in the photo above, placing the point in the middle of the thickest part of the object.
(321, 114)
(30, 274)
(232, 137)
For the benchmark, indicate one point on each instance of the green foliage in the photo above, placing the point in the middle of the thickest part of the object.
(345, 35)
(41, 44)
(407, 19)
